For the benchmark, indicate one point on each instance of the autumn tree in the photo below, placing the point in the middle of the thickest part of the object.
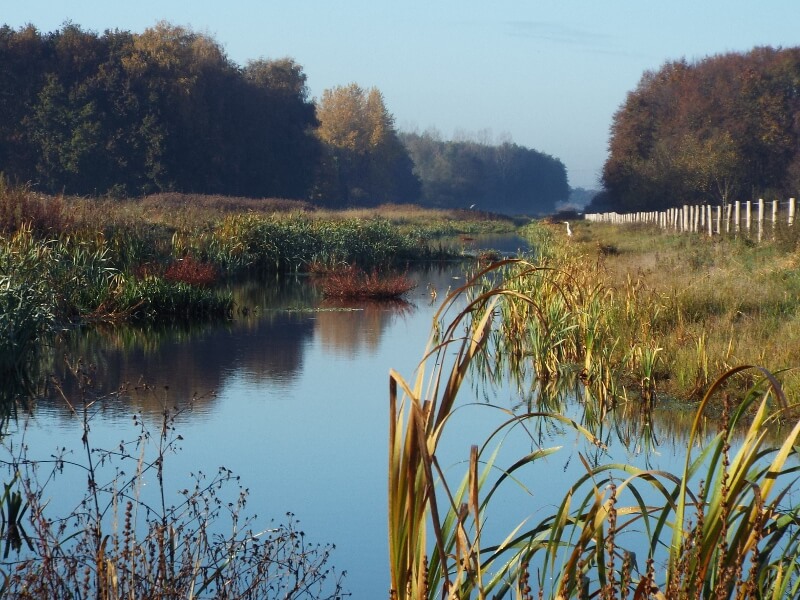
(707, 131)
(364, 162)
(125, 113)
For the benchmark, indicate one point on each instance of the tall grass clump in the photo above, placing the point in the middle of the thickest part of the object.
(122, 539)
(291, 243)
(644, 318)
(20, 207)
(28, 313)
(723, 526)
(710, 303)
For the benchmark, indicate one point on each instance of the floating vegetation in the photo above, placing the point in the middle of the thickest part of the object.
(353, 283)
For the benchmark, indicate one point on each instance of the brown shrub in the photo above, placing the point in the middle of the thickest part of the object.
(352, 282)
(20, 206)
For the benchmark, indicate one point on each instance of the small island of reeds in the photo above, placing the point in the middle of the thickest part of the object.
(352, 283)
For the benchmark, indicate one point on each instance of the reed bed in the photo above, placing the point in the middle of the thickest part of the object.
(69, 261)
(725, 526)
(704, 304)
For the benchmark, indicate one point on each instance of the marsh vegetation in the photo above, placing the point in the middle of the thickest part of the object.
(724, 525)
(593, 335)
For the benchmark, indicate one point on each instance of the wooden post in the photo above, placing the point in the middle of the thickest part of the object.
(685, 219)
(737, 213)
(728, 218)
(760, 218)
(719, 220)
(791, 211)
(708, 220)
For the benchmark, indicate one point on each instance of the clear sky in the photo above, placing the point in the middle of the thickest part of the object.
(548, 74)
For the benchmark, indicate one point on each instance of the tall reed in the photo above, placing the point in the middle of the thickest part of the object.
(723, 527)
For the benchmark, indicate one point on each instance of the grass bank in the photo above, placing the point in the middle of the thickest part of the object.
(666, 312)
(66, 262)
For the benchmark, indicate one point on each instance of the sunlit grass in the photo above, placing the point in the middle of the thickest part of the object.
(709, 303)
(724, 525)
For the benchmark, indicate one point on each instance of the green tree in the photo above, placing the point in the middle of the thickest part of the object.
(277, 131)
(504, 178)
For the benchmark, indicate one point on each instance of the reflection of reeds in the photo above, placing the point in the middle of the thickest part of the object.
(724, 527)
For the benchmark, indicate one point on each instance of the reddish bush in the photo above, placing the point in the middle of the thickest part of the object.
(352, 282)
(191, 271)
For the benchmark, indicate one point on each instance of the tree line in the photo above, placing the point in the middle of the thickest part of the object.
(464, 173)
(715, 130)
(130, 114)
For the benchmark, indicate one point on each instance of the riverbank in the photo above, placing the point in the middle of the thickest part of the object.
(70, 261)
(680, 310)
(631, 315)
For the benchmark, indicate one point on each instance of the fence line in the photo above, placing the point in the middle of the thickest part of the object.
(736, 217)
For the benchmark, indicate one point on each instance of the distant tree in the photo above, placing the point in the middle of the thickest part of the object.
(277, 128)
(579, 197)
(166, 109)
(364, 162)
(504, 178)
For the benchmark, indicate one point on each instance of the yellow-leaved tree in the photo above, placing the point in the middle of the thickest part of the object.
(365, 161)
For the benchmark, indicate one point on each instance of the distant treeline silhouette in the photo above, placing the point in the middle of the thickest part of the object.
(130, 114)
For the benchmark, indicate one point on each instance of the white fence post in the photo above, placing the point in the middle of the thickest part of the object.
(774, 217)
(747, 216)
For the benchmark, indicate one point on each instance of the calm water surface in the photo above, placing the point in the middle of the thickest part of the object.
(293, 396)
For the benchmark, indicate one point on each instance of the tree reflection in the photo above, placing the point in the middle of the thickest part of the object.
(354, 326)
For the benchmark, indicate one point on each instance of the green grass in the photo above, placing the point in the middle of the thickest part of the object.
(708, 303)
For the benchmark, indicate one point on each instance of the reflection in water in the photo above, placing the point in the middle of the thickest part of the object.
(355, 326)
(191, 365)
(265, 343)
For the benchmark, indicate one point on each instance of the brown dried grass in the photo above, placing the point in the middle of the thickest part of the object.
(353, 283)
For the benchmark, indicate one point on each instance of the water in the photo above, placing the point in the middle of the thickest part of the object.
(293, 396)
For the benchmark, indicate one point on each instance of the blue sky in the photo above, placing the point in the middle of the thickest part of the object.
(548, 74)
